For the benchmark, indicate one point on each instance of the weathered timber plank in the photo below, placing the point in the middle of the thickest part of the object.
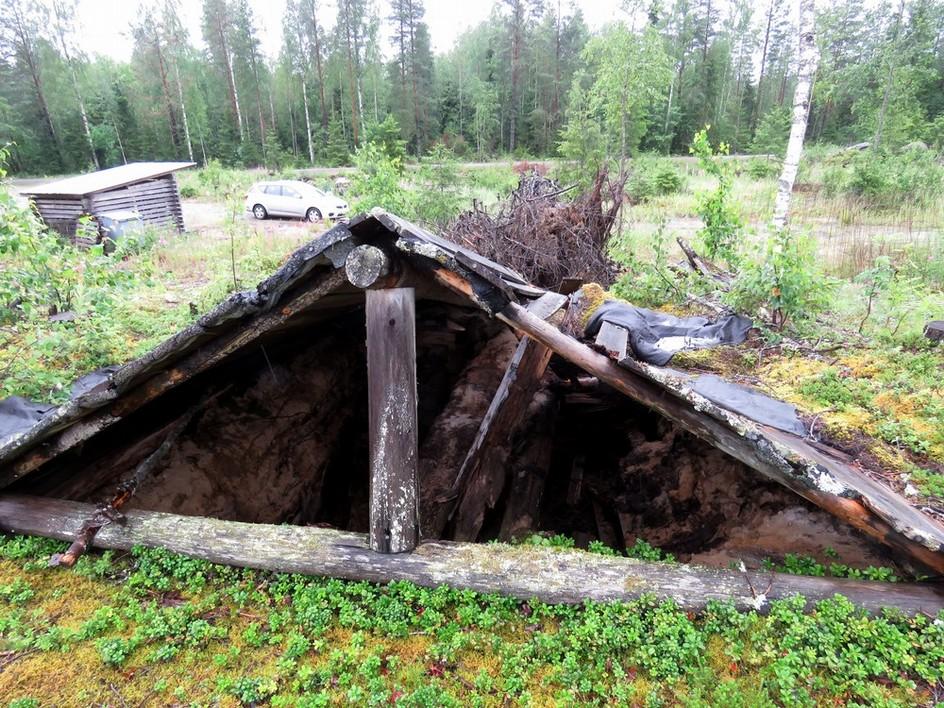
(482, 476)
(547, 305)
(546, 574)
(392, 419)
(613, 340)
(828, 483)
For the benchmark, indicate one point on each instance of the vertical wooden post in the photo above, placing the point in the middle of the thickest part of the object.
(391, 386)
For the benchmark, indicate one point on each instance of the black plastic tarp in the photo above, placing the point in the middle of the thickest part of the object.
(655, 337)
(18, 415)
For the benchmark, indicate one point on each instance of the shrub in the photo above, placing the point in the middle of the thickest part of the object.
(648, 281)
(784, 277)
(653, 177)
(888, 181)
(377, 182)
(438, 199)
(760, 168)
(723, 226)
(772, 133)
(386, 136)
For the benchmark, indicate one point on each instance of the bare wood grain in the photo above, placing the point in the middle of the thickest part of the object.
(392, 419)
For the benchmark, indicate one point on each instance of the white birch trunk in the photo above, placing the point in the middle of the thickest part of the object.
(311, 147)
(808, 58)
(239, 113)
(183, 110)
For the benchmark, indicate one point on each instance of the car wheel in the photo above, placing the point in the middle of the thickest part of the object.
(259, 212)
(313, 214)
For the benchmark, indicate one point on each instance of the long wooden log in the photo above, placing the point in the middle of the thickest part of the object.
(827, 482)
(482, 477)
(448, 440)
(392, 413)
(546, 574)
(529, 468)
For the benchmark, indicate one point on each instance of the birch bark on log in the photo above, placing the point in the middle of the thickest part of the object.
(808, 58)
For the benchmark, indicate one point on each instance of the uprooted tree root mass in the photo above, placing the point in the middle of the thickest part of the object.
(545, 238)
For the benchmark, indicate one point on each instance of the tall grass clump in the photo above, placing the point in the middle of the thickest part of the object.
(886, 181)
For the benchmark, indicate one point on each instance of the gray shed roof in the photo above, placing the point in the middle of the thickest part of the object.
(103, 180)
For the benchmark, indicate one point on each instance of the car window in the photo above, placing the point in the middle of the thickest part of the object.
(289, 192)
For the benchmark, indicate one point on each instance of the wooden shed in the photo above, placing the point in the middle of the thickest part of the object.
(147, 188)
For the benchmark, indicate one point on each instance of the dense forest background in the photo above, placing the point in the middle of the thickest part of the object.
(512, 85)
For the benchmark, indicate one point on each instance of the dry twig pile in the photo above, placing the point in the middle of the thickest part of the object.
(543, 238)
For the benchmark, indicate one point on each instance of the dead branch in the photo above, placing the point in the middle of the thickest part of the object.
(110, 512)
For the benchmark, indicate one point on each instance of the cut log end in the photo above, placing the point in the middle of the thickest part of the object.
(366, 265)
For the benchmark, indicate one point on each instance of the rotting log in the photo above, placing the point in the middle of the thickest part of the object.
(827, 482)
(483, 474)
(546, 574)
(392, 419)
(529, 468)
(447, 442)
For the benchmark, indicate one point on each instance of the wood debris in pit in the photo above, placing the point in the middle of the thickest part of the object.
(547, 239)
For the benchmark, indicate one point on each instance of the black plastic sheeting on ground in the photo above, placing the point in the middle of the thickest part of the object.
(655, 337)
(749, 403)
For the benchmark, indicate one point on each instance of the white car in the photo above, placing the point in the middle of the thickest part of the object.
(293, 198)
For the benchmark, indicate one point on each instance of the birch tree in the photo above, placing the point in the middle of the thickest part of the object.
(808, 57)
(632, 72)
(64, 27)
(176, 37)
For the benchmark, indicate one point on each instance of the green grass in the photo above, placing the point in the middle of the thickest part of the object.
(153, 626)
(178, 278)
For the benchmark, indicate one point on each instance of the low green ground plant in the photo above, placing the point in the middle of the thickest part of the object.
(151, 625)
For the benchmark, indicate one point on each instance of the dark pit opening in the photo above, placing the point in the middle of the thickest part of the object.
(284, 440)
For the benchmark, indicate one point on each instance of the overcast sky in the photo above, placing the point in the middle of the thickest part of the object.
(104, 23)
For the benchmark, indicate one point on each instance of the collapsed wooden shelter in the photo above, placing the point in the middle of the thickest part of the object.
(259, 412)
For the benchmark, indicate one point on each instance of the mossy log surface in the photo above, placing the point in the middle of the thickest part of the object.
(547, 574)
